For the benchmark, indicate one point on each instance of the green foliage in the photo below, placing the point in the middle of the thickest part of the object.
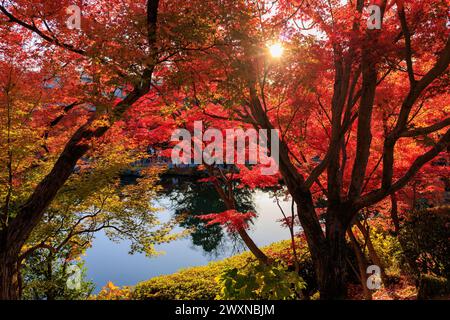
(95, 198)
(259, 281)
(202, 199)
(197, 283)
(200, 283)
(45, 278)
(425, 238)
(388, 249)
(282, 251)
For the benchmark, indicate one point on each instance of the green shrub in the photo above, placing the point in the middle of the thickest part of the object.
(199, 283)
(196, 283)
(282, 251)
(258, 281)
(388, 249)
(425, 239)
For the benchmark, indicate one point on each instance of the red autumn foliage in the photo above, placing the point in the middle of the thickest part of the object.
(231, 219)
(363, 114)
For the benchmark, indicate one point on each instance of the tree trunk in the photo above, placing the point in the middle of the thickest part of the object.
(230, 204)
(9, 289)
(332, 266)
(9, 272)
(251, 245)
(394, 214)
(328, 252)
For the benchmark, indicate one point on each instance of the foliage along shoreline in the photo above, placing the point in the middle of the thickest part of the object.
(242, 277)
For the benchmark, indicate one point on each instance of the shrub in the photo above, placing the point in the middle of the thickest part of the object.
(433, 287)
(283, 251)
(45, 277)
(199, 283)
(388, 249)
(425, 239)
(113, 292)
(259, 281)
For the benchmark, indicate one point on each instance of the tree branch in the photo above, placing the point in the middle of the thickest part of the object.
(408, 49)
(426, 130)
(408, 103)
(32, 27)
(378, 195)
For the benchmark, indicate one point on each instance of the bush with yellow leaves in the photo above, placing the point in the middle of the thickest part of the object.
(113, 292)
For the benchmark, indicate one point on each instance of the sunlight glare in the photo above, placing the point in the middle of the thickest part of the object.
(276, 50)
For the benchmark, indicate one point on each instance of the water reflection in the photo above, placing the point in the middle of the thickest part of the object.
(190, 200)
(110, 261)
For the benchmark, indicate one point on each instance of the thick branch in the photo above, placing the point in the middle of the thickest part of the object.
(152, 18)
(426, 130)
(364, 135)
(378, 195)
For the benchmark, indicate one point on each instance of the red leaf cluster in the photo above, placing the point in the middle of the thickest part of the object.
(231, 219)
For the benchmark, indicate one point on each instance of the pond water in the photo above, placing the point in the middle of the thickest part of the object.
(110, 261)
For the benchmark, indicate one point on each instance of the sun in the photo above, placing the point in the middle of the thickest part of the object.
(276, 50)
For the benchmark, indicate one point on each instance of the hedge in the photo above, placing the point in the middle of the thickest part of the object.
(196, 283)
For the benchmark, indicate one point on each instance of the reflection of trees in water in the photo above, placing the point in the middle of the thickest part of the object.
(192, 199)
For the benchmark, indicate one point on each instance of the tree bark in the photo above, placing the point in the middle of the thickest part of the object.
(331, 275)
(332, 262)
(328, 251)
(9, 288)
(394, 214)
(251, 245)
(9, 271)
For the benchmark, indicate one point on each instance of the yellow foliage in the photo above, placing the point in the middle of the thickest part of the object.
(112, 292)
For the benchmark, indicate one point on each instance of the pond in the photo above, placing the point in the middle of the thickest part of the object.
(110, 261)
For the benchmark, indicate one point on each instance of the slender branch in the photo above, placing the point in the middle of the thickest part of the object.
(408, 49)
(35, 29)
(414, 93)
